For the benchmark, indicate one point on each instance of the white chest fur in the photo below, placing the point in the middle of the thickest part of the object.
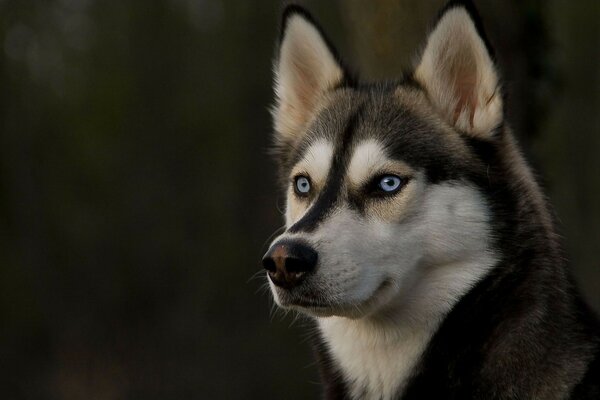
(376, 362)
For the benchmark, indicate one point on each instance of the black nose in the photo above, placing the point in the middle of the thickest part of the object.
(288, 262)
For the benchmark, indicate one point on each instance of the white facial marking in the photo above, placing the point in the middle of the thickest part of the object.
(317, 160)
(367, 159)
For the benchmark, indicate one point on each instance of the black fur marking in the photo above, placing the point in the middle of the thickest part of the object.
(329, 196)
(413, 140)
(484, 149)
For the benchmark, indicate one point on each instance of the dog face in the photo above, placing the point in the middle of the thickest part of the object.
(380, 179)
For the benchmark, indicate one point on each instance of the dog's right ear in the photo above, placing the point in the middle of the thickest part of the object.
(306, 67)
(458, 72)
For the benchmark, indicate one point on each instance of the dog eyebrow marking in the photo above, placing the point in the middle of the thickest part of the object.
(331, 191)
(368, 158)
(316, 161)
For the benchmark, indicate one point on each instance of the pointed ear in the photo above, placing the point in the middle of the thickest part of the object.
(305, 69)
(459, 74)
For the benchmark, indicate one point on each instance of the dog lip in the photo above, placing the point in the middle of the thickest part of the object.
(308, 303)
(305, 300)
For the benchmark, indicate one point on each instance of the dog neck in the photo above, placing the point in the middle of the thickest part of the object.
(378, 354)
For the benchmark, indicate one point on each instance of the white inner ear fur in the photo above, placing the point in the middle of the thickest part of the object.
(305, 70)
(459, 75)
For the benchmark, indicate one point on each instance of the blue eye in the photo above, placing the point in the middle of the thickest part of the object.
(390, 183)
(302, 185)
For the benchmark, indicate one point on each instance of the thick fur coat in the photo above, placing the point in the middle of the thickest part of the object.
(417, 239)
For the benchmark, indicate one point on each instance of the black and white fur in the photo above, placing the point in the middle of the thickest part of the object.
(453, 288)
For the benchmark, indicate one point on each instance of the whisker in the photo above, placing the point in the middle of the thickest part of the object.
(256, 275)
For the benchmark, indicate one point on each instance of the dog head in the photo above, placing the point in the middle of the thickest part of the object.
(381, 180)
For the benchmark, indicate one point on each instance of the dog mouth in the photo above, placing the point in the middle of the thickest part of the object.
(304, 300)
(310, 303)
(315, 304)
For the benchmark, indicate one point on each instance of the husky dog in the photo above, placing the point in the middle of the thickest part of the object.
(416, 236)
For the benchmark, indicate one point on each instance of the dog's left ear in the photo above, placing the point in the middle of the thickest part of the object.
(459, 74)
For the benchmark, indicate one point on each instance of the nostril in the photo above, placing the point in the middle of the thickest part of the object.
(302, 259)
(269, 264)
(296, 265)
(306, 256)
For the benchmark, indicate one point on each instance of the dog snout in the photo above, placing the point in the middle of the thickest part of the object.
(288, 262)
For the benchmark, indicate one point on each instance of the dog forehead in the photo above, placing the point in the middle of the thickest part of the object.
(386, 124)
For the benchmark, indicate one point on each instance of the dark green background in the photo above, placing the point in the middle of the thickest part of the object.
(137, 197)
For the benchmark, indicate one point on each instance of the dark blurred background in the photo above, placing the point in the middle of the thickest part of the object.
(137, 197)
